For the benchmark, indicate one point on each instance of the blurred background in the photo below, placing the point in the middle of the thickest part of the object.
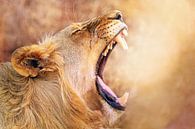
(26, 21)
(158, 69)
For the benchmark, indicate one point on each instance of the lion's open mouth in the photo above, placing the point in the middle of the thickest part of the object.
(107, 94)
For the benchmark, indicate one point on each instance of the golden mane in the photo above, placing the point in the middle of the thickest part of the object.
(30, 103)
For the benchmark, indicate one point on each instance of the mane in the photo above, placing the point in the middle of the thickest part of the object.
(46, 101)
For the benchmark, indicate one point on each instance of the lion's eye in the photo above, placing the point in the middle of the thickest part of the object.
(75, 32)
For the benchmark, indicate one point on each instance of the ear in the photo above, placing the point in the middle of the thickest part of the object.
(29, 61)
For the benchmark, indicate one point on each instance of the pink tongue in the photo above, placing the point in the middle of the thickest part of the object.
(105, 87)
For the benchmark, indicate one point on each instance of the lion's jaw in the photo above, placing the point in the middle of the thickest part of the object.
(86, 47)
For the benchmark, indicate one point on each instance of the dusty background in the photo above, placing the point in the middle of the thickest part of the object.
(158, 69)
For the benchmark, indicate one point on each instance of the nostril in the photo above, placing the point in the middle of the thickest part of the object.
(118, 16)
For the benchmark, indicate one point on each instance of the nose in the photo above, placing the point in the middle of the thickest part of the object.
(115, 15)
(118, 16)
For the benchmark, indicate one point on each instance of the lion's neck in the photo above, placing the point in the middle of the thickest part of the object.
(37, 103)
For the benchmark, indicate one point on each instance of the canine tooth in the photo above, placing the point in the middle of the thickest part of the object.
(123, 100)
(125, 33)
(122, 41)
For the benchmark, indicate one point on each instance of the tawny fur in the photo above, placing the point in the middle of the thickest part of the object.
(162, 88)
(30, 103)
(43, 87)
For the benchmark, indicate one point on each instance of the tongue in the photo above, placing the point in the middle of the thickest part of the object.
(105, 87)
(109, 96)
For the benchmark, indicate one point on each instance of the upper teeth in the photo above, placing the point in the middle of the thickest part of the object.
(121, 40)
(124, 32)
(110, 46)
(105, 52)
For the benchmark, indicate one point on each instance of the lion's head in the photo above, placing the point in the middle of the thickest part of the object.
(73, 61)
(85, 48)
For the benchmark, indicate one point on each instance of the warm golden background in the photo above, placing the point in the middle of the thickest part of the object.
(158, 69)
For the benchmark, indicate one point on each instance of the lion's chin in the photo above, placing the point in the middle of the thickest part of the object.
(104, 91)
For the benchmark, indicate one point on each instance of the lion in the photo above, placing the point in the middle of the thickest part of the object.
(58, 83)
